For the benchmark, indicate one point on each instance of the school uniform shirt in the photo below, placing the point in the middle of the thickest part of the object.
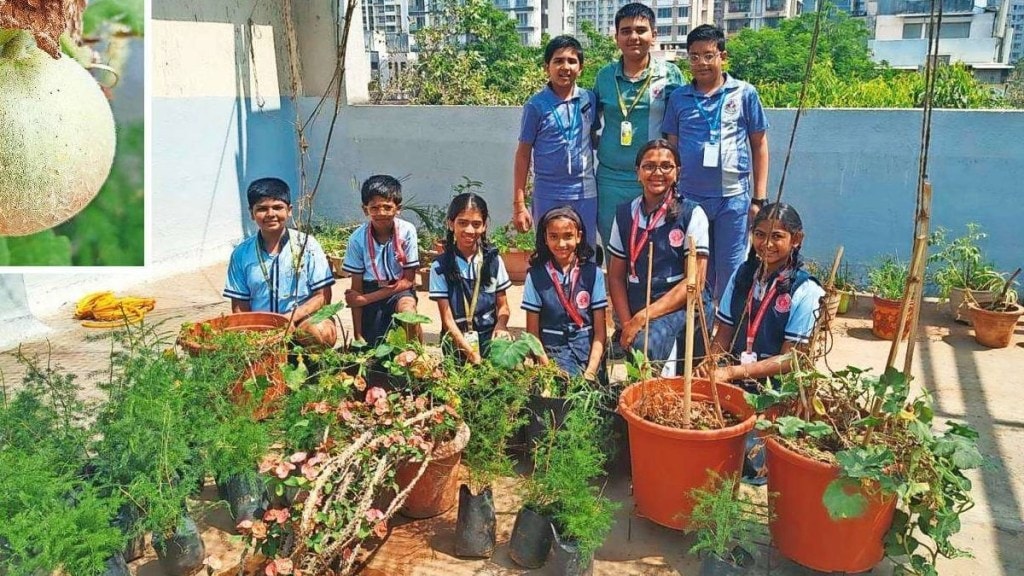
(587, 295)
(732, 113)
(789, 318)
(670, 249)
(383, 264)
(281, 282)
(559, 132)
(461, 293)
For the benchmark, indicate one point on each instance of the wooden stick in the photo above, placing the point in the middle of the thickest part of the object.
(822, 321)
(691, 302)
(910, 290)
(923, 224)
(647, 305)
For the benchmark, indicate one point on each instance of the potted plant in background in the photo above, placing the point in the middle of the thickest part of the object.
(843, 292)
(958, 266)
(856, 470)
(887, 281)
(995, 322)
(724, 523)
(515, 249)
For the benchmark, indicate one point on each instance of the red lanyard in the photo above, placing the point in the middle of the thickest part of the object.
(574, 276)
(635, 248)
(371, 248)
(754, 323)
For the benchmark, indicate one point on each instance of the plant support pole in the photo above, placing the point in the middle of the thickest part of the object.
(924, 217)
(691, 302)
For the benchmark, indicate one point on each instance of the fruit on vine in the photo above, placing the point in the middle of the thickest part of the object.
(57, 137)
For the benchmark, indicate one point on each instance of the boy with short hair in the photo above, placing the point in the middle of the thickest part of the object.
(719, 125)
(555, 135)
(382, 255)
(631, 96)
(281, 270)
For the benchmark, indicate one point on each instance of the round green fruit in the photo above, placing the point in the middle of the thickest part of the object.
(57, 137)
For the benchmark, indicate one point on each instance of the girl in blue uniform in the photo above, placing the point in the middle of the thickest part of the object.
(468, 281)
(564, 295)
(659, 216)
(768, 309)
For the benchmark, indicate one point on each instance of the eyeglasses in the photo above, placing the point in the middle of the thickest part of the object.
(664, 167)
(382, 209)
(706, 58)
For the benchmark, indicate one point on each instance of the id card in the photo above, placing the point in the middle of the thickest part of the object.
(747, 358)
(711, 153)
(626, 133)
(473, 338)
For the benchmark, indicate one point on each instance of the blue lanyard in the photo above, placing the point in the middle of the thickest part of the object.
(574, 121)
(716, 127)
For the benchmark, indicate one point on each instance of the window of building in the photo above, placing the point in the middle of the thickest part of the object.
(772, 22)
(912, 31)
(683, 30)
(955, 30)
(664, 31)
(522, 19)
(683, 11)
(734, 26)
(524, 37)
(739, 6)
(664, 13)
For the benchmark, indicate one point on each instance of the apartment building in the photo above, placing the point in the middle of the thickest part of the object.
(1017, 25)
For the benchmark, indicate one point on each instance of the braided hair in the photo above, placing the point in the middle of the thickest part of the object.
(446, 265)
(790, 220)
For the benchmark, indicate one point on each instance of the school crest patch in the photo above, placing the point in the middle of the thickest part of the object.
(732, 109)
(675, 238)
(583, 300)
(783, 303)
(657, 90)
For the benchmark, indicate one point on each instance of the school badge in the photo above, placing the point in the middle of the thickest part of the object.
(583, 300)
(656, 91)
(732, 109)
(675, 238)
(783, 303)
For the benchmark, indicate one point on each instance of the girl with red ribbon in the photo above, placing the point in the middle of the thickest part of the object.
(564, 296)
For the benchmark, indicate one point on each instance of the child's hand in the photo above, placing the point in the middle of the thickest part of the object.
(501, 335)
(590, 376)
(401, 285)
(475, 358)
(522, 219)
(353, 299)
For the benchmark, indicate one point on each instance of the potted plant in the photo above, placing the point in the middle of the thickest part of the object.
(724, 523)
(333, 238)
(995, 322)
(958, 266)
(515, 249)
(843, 292)
(887, 281)
(855, 471)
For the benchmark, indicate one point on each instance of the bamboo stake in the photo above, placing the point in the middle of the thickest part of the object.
(910, 292)
(822, 321)
(647, 305)
(691, 297)
(923, 224)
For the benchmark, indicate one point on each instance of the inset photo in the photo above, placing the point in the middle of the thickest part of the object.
(72, 134)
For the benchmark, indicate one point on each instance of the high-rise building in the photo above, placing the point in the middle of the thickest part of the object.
(1017, 26)
(756, 14)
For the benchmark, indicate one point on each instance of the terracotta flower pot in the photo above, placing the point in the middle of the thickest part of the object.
(423, 279)
(667, 463)
(517, 263)
(886, 316)
(335, 262)
(832, 305)
(435, 492)
(195, 340)
(800, 526)
(994, 329)
(958, 302)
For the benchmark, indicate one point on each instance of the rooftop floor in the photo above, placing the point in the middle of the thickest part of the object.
(969, 383)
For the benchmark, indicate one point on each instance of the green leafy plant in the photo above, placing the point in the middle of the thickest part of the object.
(506, 238)
(882, 439)
(843, 280)
(724, 521)
(888, 278)
(959, 262)
(333, 237)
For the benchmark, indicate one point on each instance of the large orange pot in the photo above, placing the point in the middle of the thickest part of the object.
(517, 264)
(195, 340)
(434, 493)
(994, 329)
(667, 463)
(800, 525)
(886, 317)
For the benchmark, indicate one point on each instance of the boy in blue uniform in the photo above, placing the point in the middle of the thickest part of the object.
(719, 125)
(281, 270)
(382, 256)
(555, 136)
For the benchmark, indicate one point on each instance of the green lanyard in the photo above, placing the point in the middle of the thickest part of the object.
(271, 286)
(636, 99)
(471, 305)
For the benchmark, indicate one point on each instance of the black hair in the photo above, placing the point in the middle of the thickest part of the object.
(274, 188)
(542, 254)
(704, 33)
(790, 220)
(663, 144)
(634, 10)
(447, 266)
(559, 42)
(381, 186)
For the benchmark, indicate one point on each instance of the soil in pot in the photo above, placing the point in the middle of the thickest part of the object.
(994, 329)
(183, 552)
(885, 318)
(434, 492)
(958, 303)
(531, 539)
(476, 525)
(565, 558)
(667, 462)
(800, 525)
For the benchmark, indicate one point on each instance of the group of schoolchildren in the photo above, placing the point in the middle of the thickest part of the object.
(652, 199)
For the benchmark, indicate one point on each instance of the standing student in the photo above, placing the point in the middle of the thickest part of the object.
(631, 96)
(555, 136)
(564, 295)
(720, 127)
(663, 218)
(382, 256)
(281, 270)
(468, 281)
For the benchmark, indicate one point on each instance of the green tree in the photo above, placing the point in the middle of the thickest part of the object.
(1015, 86)
(598, 50)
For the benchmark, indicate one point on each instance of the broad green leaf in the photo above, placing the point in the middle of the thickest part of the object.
(865, 462)
(842, 499)
(962, 451)
(325, 312)
(411, 318)
(295, 376)
(817, 429)
(790, 426)
(44, 248)
(511, 354)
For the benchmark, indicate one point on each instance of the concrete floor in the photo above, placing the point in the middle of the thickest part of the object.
(969, 383)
